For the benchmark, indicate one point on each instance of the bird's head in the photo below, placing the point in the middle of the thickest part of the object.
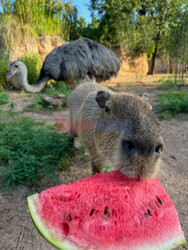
(16, 68)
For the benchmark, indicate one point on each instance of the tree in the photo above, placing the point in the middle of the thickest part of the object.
(139, 25)
(115, 16)
(160, 13)
(177, 39)
(91, 30)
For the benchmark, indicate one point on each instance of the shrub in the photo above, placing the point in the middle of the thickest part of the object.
(13, 31)
(30, 151)
(3, 68)
(172, 102)
(33, 63)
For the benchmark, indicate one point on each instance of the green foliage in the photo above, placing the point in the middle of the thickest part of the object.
(3, 68)
(115, 18)
(4, 97)
(167, 83)
(55, 88)
(58, 88)
(41, 17)
(141, 25)
(30, 151)
(13, 31)
(33, 63)
(172, 102)
(177, 40)
(91, 30)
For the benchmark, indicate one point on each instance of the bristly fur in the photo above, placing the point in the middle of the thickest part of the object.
(93, 102)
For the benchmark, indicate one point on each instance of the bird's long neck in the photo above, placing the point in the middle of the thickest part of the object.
(35, 88)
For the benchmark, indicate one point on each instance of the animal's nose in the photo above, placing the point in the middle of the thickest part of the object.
(146, 148)
(153, 148)
(159, 148)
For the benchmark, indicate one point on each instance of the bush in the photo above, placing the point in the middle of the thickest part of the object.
(33, 63)
(3, 68)
(172, 102)
(12, 31)
(30, 151)
(4, 98)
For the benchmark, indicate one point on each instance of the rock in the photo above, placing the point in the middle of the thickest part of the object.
(55, 100)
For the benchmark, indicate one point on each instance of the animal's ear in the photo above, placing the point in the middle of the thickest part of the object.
(101, 98)
(145, 96)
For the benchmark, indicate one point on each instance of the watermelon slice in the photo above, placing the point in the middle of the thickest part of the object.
(107, 211)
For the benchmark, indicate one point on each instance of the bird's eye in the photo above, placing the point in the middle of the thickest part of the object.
(15, 66)
(159, 149)
(128, 146)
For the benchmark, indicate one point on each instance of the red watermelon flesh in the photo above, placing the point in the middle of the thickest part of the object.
(108, 211)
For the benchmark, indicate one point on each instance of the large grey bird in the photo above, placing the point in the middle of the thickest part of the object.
(82, 59)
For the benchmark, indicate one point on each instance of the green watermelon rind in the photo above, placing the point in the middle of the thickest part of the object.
(52, 237)
(56, 239)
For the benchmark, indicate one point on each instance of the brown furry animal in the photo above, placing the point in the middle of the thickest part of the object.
(121, 130)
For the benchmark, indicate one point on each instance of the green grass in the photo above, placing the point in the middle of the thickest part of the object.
(172, 102)
(13, 31)
(4, 97)
(30, 151)
(55, 88)
(168, 83)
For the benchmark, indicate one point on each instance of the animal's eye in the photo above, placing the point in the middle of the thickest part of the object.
(15, 66)
(159, 149)
(127, 145)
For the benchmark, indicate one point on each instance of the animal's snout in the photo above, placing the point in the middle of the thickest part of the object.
(144, 148)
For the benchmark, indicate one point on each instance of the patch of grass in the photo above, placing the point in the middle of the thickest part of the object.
(172, 102)
(55, 88)
(30, 151)
(33, 63)
(7, 114)
(58, 88)
(37, 103)
(4, 97)
(167, 83)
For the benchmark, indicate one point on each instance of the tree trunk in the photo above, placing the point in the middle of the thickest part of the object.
(151, 70)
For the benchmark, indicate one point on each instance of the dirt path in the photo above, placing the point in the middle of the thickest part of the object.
(16, 228)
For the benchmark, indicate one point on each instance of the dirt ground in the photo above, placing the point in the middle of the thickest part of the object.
(17, 231)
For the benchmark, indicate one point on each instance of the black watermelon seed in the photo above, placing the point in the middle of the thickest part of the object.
(106, 211)
(146, 214)
(160, 201)
(149, 212)
(69, 218)
(92, 212)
